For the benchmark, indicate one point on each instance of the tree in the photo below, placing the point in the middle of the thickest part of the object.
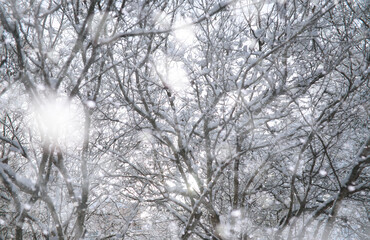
(184, 119)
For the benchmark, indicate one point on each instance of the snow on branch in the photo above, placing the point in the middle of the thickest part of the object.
(16, 147)
(141, 32)
(21, 182)
(363, 158)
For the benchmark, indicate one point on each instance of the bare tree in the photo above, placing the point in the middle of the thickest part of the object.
(184, 119)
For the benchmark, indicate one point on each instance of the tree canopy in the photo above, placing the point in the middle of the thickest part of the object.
(184, 119)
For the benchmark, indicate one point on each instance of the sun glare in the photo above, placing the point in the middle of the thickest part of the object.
(174, 75)
(184, 34)
(177, 78)
(58, 119)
